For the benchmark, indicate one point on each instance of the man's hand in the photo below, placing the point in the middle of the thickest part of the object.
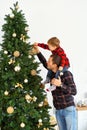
(35, 44)
(56, 82)
(35, 50)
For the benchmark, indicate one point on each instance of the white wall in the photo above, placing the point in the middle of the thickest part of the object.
(66, 19)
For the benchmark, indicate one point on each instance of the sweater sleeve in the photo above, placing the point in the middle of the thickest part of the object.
(44, 46)
(68, 86)
(42, 59)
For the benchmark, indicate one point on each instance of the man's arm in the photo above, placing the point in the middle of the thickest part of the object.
(68, 85)
(42, 59)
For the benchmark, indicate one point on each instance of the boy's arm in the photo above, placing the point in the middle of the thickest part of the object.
(44, 46)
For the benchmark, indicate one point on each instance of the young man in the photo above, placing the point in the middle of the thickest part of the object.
(63, 95)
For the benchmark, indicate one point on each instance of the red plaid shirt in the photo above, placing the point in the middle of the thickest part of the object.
(60, 52)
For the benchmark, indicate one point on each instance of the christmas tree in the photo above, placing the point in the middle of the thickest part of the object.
(23, 102)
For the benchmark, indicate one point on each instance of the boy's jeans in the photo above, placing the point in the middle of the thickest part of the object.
(67, 118)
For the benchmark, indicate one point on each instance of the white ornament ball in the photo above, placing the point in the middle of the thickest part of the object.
(27, 41)
(5, 52)
(14, 34)
(40, 104)
(34, 61)
(31, 92)
(17, 68)
(22, 125)
(11, 15)
(17, 7)
(40, 120)
(26, 81)
(26, 28)
(29, 56)
(6, 93)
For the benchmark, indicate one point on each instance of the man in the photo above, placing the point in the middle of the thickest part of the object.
(63, 99)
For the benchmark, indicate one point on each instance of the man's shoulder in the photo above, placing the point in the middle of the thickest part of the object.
(67, 73)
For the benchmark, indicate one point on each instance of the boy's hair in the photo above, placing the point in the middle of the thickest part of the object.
(54, 41)
(56, 59)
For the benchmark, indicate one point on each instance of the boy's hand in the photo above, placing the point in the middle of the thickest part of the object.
(35, 44)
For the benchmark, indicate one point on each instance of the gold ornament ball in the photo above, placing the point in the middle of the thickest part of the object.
(16, 53)
(10, 110)
(42, 85)
(45, 103)
(33, 72)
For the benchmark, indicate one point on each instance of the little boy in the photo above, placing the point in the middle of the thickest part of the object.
(53, 44)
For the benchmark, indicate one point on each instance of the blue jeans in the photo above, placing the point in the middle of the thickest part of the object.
(67, 118)
(58, 73)
(49, 74)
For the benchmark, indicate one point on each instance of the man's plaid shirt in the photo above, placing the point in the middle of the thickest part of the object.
(62, 96)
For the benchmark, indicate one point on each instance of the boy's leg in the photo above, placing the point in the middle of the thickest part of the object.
(60, 73)
(53, 87)
(48, 77)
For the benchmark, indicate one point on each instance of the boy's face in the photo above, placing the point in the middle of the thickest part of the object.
(52, 48)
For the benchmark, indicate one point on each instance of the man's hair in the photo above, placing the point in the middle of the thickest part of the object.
(56, 59)
(54, 41)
